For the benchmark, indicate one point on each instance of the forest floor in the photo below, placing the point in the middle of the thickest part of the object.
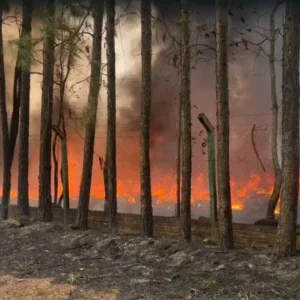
(49, 262)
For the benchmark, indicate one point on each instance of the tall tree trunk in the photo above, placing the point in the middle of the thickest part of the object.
(277, 184)
(4, 127)
(90, 126)
(223, 174)
(65, 171)
(286, 235)
(46, 116)
(179, 160)
(65, 167)
(111, 116)
(185, 213)
(23, 201)
(146, 197)
(14, 124)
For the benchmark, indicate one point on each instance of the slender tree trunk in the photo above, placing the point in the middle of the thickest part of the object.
(65, 173)
(23, 201)
(223, 174)
(185, 213)
(111, 116)
(90, 126)
(286, 234)
(56, 166)
(46, 116)
(4, 127)
(277, 184)
(14, 124)
(105, 179)
(179, 160)
(146, 197)
(61, 197)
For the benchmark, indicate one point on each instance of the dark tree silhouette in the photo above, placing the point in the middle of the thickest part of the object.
(46, 115)
(91, 118)
(223, 175)
(286, 235)
(111, 117)
(185, 212)
(146, 197)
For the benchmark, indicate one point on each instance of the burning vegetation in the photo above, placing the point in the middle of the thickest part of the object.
(103, 109)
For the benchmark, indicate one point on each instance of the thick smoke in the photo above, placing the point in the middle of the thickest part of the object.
(249, 103)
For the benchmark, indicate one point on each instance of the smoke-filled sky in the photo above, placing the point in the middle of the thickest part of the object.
(250, 103)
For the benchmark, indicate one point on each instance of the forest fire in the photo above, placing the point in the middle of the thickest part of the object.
(246, 185)
(163, 183)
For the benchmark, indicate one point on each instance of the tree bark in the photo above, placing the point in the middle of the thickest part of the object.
(90, 126)
(179, 160)
(274, 135)
(65, 173)
(286, 234)
(223, 174)
(111, 116)
(56, 166)
(185, 213)
(65, 167)
(105, 179)
(14, 124)
(46, 116)
(23, 201)
(6, 184)
(146, 197)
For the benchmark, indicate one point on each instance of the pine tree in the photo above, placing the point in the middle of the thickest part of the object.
(185, 212)
(274, 145)
(46, 115)
(4, 127)
(146, 197)
(223, 174)
(23, 201)
(91, 118)
(111, 116)
(286, 234)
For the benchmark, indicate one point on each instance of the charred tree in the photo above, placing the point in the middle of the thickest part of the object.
(274, 146)
(90, 125)
(6, 184)
(185, 212)
(23, 201)
(146, 197)
(46, 115)
(223, 174)
(286, 234)
(111, 116)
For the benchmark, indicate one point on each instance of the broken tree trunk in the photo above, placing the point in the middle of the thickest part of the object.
(211, 172)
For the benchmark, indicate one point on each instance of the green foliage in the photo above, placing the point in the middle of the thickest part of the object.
(26, 46)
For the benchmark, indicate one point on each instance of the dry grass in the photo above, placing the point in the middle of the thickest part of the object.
(12, 288)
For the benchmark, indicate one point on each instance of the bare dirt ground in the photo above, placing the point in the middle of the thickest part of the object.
(48, 262)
